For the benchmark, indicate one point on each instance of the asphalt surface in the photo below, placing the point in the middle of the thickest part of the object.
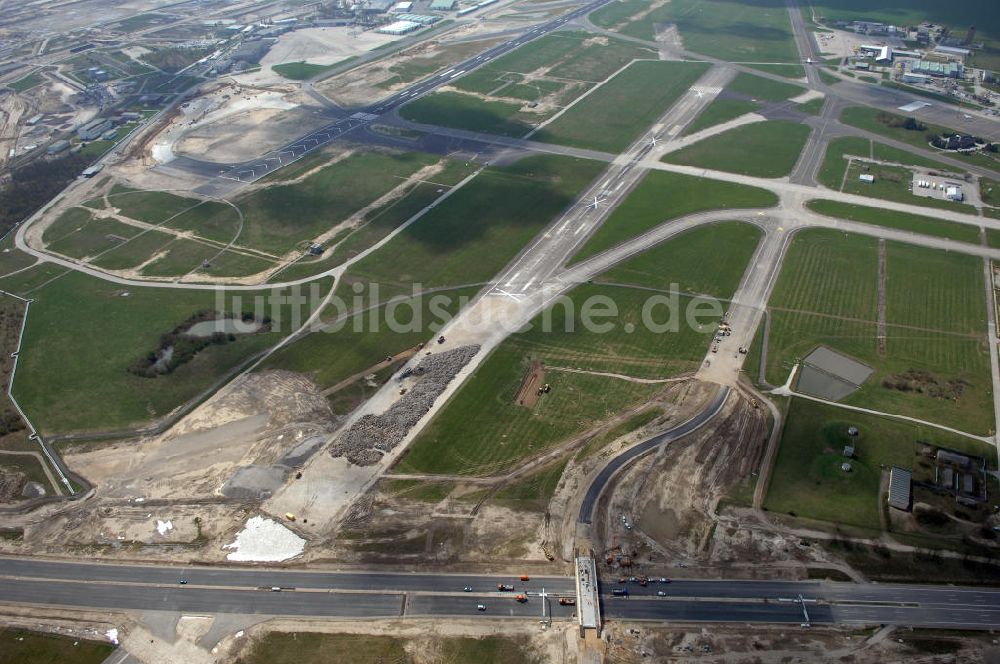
(596, 487)
(361, 594)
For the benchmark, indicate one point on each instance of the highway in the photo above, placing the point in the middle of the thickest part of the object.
(379, 594)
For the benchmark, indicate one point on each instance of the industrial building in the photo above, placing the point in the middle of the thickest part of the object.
(403, 7)
(58, 147)
(952, 52)
(919, 79)
(939, 69)
(93, 129)
(443, 5)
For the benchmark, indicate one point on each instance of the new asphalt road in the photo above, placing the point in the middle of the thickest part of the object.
(596, 487)
(361, 594)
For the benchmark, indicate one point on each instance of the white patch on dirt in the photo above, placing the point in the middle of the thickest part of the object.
(264, 540)
(112, 635)
(164, 527)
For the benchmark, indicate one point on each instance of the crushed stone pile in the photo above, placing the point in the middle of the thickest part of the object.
(372, 436)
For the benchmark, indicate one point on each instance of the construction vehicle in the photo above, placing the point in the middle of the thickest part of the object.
(521, 598)
(504, 588)
(567, 601)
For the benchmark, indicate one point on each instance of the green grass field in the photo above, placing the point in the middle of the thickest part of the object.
(719, 111)
(83, 333)
(152, 207)
(507, 432)
(900, 220)
(210, 220)
(763, 149)
(728, 30)
(681, 261)
(760, 88)
(613, 116)
(828, 78)
(26, 82)
(330, 356)
(280, 218)
(461, 111)
(309, 648)
(807, 480)
(509, 206)
(826, 294)
(300, 71)
(662, 196)
(788, 71)
(24, 647)
(989, 191)
(812, 107)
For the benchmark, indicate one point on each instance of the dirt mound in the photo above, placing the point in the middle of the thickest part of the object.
(11, 484)
(531, 386)
(374, 435)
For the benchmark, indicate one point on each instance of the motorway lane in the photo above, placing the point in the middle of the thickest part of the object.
(597, 486)
(262, 577)
(199, 600)
(671, 610)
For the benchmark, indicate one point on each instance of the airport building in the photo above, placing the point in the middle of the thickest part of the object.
(939, 69)
(399, 28)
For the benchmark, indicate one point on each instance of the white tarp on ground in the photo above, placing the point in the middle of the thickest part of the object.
(265, 540)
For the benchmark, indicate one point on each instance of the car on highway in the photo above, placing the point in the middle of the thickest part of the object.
(664, 579)
(275, 589)
(480, 607)
(661, 593)
(467, 589)
(183, 582)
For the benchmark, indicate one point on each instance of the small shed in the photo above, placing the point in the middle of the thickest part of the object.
(899, 488)
(867, 177)
(848, 451)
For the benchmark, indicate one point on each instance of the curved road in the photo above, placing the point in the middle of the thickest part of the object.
(596, 487)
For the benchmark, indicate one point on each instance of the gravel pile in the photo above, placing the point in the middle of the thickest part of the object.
(374, 435)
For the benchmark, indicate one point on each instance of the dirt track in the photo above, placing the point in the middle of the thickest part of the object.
(531, 386)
